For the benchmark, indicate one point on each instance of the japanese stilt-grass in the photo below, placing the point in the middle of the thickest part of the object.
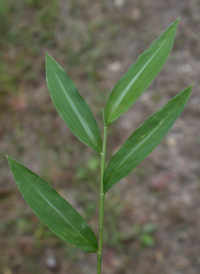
(53, 210)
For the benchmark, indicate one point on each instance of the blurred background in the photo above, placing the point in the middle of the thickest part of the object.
(152, 218)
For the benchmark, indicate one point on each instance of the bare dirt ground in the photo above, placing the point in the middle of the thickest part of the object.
(152, 218)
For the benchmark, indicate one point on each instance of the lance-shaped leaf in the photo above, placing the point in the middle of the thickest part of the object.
(144, 139)
(71, 106)
(54, 211)
(140, 75)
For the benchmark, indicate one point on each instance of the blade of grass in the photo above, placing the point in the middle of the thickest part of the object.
(71, 106)
(140, 75)
(53, 210)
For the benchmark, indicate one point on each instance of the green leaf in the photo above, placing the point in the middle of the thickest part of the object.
(71, 106)
(54, 211)
(144, 139)
(140, 75)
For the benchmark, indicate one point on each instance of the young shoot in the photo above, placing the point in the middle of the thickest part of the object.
(53, 210)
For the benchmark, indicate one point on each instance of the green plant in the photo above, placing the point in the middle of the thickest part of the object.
(54, 211)
(145, 234)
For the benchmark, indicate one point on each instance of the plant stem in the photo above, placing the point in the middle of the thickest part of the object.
(102, 199)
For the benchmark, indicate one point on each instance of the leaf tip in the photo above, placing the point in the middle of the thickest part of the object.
(47, 54)
(8, 158)
(49, 57)
(174, 24)
(189, 89)
(11, 161)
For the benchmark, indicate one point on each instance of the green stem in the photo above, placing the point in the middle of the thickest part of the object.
(102, 199)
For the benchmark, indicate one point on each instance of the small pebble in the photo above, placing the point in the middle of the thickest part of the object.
(119, 3)
(114, 67)
(50, 259)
